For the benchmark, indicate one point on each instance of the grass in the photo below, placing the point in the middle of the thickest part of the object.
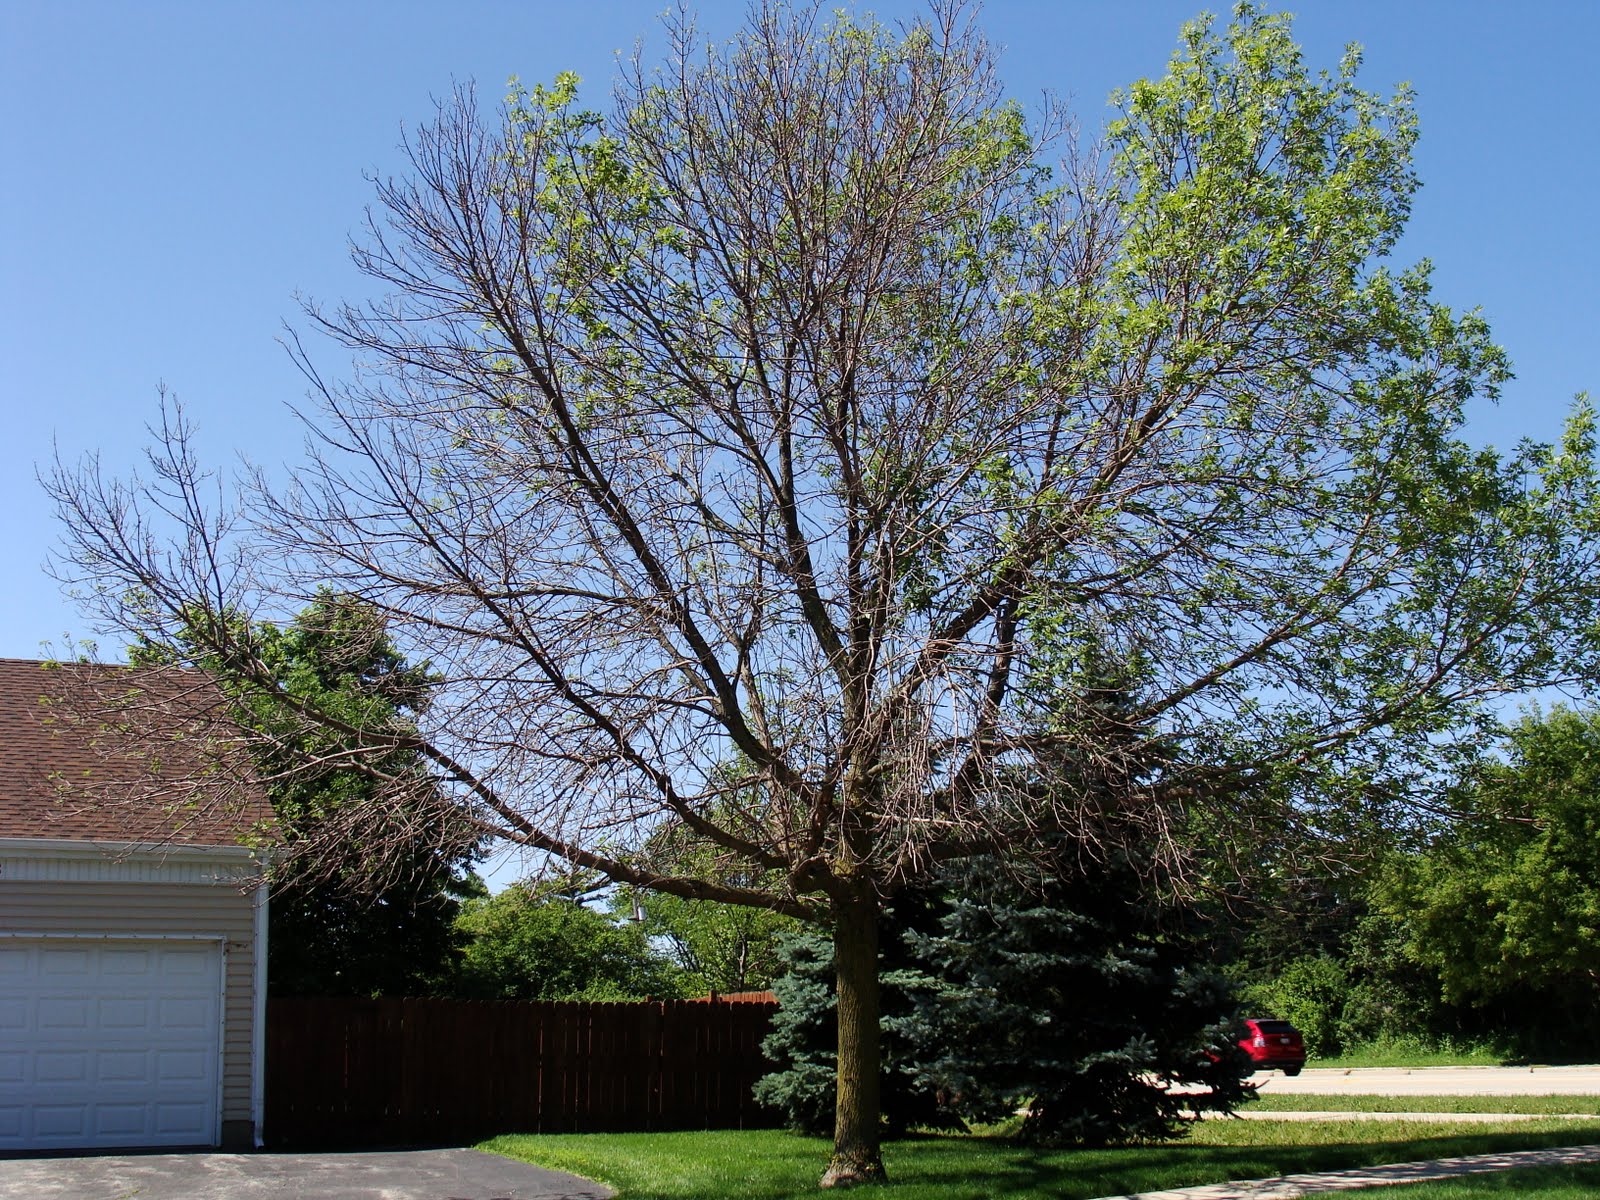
(1541, 1183)
(1403, 1053)
(771, 1165)
(1274, 1102)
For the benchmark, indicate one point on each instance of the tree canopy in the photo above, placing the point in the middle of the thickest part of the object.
(1475, 928)
(1506, 902)
(372, 868)
(540, 942)
(815, 410)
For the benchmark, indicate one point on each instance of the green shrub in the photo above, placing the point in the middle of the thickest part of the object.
(1310, 993)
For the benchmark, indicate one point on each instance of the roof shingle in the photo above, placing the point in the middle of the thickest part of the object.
(123, 754)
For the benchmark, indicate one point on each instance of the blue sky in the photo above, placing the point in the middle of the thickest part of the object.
(176, 173)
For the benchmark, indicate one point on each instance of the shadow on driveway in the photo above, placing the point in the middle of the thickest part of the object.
(362, 1175)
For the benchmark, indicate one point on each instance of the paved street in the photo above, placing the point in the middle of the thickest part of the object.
(1434, 1081)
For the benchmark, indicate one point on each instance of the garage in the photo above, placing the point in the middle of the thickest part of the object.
(133, 915)
(109, 1042)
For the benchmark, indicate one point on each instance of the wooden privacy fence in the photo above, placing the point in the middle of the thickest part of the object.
(397, 1071)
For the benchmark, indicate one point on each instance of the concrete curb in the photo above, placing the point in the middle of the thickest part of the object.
(1289, 1187)
(1435, 1081)
(1464, 1118)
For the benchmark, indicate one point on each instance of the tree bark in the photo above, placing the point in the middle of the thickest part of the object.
(857, 1157)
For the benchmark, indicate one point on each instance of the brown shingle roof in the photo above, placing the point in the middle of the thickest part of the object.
(122, 754)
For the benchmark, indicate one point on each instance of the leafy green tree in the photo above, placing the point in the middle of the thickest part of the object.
(1505, 906)
(345, 920)
(796, 409)
(533, 942)
(720, 947)
(1310, 992)
(1394, 998)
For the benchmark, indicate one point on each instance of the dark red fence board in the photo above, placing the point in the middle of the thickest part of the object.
(399, 1071)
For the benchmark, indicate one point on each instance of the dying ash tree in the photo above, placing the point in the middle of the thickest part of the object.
(783, 455)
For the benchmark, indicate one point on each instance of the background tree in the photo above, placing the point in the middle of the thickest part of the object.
(542, 942)
(793, 410)
(719, 947)
(1504, 908)
(1467, 929)
(1395, 1000)
(374, 864)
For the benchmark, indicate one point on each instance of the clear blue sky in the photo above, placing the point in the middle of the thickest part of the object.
(176, 173)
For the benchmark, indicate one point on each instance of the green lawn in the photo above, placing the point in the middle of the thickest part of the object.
(1539, 1183)
(1274, 1102)
(771, 1165)
(1411, 1054)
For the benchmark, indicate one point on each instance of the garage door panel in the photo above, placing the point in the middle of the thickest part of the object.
(122, 1066)
(108, 1048)
(126, 962)
(185, 1015)
(65, 962)
(173, 1067)
(120, 1013)
(121, 1120)
(193, 961)
(62, 1012)
(182, 1122)
(61, 1066)
(61, 1121)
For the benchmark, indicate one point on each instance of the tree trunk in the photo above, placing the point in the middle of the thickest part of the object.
(856, 1154)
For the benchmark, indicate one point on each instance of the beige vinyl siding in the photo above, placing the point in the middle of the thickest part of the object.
(157, 908)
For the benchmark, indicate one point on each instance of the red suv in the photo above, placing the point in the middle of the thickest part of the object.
(1269, 1044)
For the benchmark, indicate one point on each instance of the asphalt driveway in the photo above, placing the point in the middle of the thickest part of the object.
(366, 1175)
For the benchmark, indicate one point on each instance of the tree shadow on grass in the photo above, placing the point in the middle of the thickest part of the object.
(772, 1165)
(967, 1169)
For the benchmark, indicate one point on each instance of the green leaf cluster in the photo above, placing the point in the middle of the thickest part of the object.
(371, 862)
(540, 942)
(1506, 903)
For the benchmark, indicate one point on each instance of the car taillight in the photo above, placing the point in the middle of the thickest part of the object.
(1259, 1041)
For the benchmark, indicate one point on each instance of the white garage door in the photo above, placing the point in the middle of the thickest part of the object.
(109, 1043)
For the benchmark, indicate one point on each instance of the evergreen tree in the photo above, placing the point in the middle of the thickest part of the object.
(344, 919)
(1076, 997)
(804, 1034)
(1080, 999)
